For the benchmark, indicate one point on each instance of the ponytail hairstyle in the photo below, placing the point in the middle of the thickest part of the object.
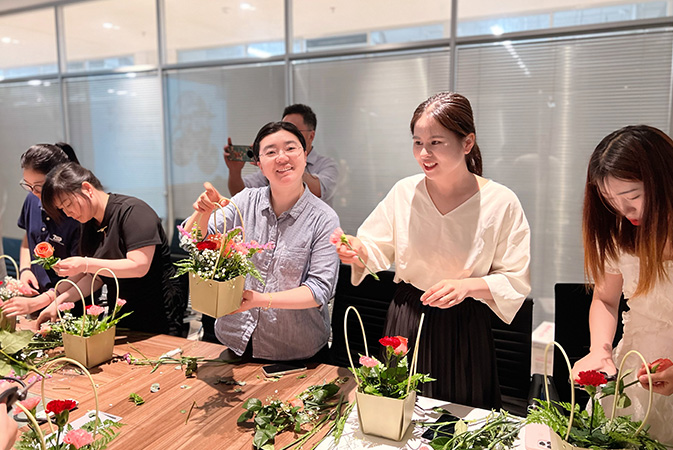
(42, 158)
(453, 112)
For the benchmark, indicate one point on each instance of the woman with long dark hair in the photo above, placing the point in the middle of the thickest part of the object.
(628, 248)
(460, 245)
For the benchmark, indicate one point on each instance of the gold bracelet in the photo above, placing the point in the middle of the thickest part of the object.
(270, 300)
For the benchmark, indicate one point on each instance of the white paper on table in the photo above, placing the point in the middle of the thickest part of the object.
(354, 439)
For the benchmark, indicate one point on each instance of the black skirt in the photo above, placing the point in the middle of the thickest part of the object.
(456, 347)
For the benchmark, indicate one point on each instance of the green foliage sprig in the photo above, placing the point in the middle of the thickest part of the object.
(316, 405)
(23, 351)
(497, 431)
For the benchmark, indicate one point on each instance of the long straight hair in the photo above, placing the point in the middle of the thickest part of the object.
(634, 153)
(453, 112)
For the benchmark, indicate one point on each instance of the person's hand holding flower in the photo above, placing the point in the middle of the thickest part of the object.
(44, 255)
(350, 250)
(662, 376)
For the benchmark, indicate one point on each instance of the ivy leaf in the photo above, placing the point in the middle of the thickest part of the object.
(245, 416)
(5, 368)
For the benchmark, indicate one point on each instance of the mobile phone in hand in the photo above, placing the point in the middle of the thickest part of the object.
(240, 153)
(276, 370)
(442, 430)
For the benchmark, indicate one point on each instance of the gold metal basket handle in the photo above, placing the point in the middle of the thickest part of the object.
(16, 268)
(36, 426)
(414, 359)
(572, 386)
(65, 280)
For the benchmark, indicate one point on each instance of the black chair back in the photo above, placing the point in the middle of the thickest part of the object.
(571, 330)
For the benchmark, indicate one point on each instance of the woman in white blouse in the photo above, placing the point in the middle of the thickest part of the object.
(461, 246)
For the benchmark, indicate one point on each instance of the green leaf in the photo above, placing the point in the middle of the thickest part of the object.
(253, 404)
(245, 416)
(15, 342)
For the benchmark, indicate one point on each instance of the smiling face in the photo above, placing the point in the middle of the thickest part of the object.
(439, 151)
(282, 159)
(625, 197)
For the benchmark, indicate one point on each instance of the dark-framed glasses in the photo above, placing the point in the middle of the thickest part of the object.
(35, 189)
(274, 152)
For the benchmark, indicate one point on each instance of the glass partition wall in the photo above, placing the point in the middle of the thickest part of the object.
(148, 91)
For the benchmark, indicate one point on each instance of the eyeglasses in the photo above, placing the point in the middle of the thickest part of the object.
(36, 189)
(272, 153)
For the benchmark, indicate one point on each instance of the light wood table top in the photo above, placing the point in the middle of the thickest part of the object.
(160, 422)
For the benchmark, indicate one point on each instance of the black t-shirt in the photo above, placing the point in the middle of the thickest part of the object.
(130, 224)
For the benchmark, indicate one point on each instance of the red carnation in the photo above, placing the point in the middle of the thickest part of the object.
(58, 406)
(206, 245)
(390, 341)
(591, 378)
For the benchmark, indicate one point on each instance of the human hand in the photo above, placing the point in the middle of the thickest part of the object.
(18, 306)
(30, 282)
(249, 300)
(48, 314)
(209, 199)
(233, 166)
(8, 427)
(445, 294)
(73, 265)
(595, 360)
(348, 253)
(662, 377)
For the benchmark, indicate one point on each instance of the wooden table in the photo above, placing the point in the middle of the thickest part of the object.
(160, 422)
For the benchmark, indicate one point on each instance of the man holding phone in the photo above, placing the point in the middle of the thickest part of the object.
(321, 172)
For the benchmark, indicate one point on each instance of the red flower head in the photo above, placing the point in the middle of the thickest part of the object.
(401, 349)
(660, 364)
(591, 378)
(206, 245)
(58, 406)
(390, 341)
(44, 250)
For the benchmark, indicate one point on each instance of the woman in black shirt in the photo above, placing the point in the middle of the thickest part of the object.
(120, 233)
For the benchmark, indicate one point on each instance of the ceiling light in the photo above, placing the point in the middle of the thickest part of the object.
(497, 30)
(34, 83)
(247, 7)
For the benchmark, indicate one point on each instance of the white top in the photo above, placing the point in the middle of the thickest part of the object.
(323, 167)
(648, 328)
(487, 236)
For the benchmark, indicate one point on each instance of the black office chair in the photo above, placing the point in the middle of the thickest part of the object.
(513, 356)
(571, 330)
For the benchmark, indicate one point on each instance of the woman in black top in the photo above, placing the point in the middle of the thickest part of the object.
(120, 233)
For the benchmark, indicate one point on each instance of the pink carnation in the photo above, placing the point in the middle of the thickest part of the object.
(66, 306)
(30, 402)
(79, 438)
(121, 302)
(368, 362)
(95, 310)
(335, 238)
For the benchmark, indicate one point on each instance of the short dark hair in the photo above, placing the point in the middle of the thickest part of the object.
(44, 157)
(305, 112)
(269, 129)
(65, 179)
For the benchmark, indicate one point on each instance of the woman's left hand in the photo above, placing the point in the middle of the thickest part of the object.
(248, 301)
(74, 265)
(48, 314)
(445, 294)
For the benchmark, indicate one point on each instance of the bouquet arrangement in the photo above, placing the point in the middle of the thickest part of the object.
(390, 377)
(44, 255)
(11, 287)
(593, 429)
(90, 323)
(219, 257)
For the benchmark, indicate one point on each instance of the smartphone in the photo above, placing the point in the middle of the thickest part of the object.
(276, 370)
(241, 153)
(442, 430)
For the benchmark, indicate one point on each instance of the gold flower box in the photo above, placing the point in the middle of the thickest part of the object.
(216, 298)
(90, 351)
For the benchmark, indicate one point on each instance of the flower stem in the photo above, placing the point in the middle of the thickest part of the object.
(344, 239)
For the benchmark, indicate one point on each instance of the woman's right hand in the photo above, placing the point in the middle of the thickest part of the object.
(209, 200)
(24, 305)
(601, 361)
(48, 314)
(350, 255)
(29, 280)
